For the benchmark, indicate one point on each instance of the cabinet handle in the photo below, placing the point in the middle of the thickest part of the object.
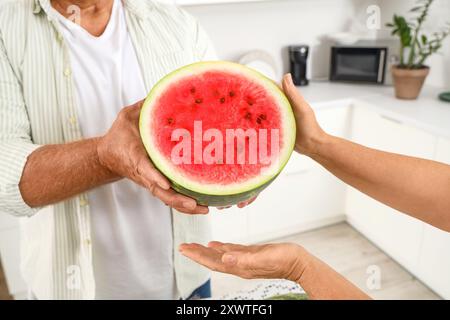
(391, 119)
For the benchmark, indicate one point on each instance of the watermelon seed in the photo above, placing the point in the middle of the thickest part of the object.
(248, 116)
(198, 101)
(260, 118)
(232, 94)
(193, 90)
(170, 120)
(250, 102)
(222, 100)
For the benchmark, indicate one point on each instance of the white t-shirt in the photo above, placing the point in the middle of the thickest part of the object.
(131, 229)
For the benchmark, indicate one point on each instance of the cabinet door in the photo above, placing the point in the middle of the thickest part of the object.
(397, 234)
(434, 262)
(296, 203)
(335, 121)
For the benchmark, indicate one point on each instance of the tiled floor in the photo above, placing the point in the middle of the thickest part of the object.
(348, 252)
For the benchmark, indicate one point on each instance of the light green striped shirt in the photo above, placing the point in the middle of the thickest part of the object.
(37, 108)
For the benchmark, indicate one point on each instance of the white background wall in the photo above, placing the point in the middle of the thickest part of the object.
(273, 25)
(238, 28)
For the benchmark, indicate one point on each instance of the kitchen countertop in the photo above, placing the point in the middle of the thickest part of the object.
(427, 113)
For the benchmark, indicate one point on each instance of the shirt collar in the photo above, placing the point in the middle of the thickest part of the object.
(136, 7)
(41, 5)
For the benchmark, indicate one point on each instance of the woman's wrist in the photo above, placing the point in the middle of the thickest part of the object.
(314, 145)
(300, 260)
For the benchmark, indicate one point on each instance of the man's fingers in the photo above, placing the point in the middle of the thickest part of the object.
(173, 199)
(179, 201)
(246, 203)
(198, 210)
(150, 174)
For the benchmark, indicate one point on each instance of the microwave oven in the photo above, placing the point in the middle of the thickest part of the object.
(359, 64)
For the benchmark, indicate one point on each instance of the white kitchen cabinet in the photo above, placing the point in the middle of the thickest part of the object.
(335, 121)
(434, 262)
(295, 203)
(397, 234)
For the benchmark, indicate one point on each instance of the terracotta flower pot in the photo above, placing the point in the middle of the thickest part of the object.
(409, 82)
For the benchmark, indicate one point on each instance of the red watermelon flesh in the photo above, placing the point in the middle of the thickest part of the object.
(221, 101)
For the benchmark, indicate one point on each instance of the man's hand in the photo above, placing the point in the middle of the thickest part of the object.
(271, 261)
(122, 152)
(309, 133)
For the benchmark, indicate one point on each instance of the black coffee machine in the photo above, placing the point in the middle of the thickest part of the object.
(298, 56)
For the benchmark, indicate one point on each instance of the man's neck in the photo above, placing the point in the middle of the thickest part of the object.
(86, 6)
(92, 15)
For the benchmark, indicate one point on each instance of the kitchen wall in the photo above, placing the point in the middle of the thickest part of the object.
(272, 25)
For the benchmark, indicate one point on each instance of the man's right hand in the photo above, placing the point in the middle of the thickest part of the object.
(121, 151)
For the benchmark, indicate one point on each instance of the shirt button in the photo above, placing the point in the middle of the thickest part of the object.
(73, 120)
(60, 37)
(67, 72)
(83, 202)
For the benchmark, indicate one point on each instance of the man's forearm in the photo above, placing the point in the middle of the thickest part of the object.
(321, 282)
(57, 172)
(414, 186)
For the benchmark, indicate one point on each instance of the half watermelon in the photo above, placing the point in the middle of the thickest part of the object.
(219, 131)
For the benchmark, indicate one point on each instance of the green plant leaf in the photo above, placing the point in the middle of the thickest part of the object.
(424, 39)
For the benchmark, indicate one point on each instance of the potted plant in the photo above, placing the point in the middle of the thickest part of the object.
(415, 48)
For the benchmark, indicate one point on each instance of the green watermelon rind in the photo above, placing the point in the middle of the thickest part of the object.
(203, 194)
(220, 200)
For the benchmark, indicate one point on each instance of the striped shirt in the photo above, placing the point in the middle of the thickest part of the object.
(37, 107)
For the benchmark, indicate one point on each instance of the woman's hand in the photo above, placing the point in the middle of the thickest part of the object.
(309, 132)
(275, 261)
(271, 261)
